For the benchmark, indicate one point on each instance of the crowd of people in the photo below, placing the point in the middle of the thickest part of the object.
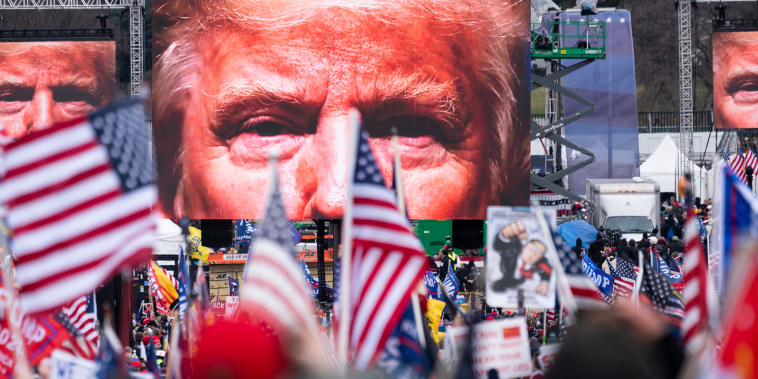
(668, 244)
(146, 331)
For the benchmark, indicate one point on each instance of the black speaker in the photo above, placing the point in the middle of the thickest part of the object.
(468, 234)
(216, 233)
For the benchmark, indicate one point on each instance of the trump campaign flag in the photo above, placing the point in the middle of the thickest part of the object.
(432, 286)
(245, 231)
(452, 284)
(660, 265)
(382, 261)
(597, 275)
(78, 196)
(404, 355)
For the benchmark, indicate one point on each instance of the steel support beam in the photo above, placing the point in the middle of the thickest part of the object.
(686, 147)
(551, 132)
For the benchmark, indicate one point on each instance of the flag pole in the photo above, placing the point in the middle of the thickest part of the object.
(397, 174)
(544, 326)
(347, 247)
(418, 320)
(564, 289)
(636, 291)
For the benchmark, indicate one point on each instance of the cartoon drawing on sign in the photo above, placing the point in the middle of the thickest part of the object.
(518, 260)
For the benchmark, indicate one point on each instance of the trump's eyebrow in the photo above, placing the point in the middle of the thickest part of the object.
(415, 93)
(740, 73)
(9, 82)
(242, 93)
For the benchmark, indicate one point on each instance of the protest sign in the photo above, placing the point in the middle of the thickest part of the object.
(502, 345)
(67, 366)
(547, 356)
(232, 304)
(518, 259)
(218, 307)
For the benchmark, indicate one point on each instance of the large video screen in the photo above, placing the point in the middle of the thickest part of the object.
(234, 80)
(44, 83)
(735, 80)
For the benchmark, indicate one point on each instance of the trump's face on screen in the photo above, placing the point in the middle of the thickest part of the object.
(44, 83)
(285, 74)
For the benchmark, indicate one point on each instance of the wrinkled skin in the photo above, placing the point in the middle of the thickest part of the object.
(735, 86)
(293, 90)
(42, 85)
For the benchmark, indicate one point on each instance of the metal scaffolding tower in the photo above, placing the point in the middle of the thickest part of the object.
(136, 32)
(686, 157)
(554, 41)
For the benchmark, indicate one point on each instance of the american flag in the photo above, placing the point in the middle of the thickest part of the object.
(551, 314)
(739, 162)
(78, 197)
(83, 315)
(657, 291)
(696, 289)
(624, 277)
(586, 293)
(274, 287)
(75, 344)
(386, 261)
(750, 160)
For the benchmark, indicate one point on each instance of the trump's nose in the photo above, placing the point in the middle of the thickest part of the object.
(329, 161)
(41, 112)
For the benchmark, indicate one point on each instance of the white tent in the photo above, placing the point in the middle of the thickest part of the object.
(168, 237)
(661, 167)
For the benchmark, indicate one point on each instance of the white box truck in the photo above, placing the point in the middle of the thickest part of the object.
(632, 206)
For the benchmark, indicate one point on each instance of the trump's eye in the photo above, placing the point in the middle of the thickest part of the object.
(744, 88)
(70, 94)
(270, 126)
(12, 95)
(14, 99)
(413, 127)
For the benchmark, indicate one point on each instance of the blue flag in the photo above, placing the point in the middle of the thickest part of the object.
(738, 218)
(598, 276)
(313, 282)
(403, 355)
(234, 286)
(452, 284)
(245, 231)
(661, 266)
(432, 286)
(183, 281)
(294, 234)
(152, 361)
(110, 361)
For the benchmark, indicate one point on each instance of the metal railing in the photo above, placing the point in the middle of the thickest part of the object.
(668, 122)
(660, 122)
